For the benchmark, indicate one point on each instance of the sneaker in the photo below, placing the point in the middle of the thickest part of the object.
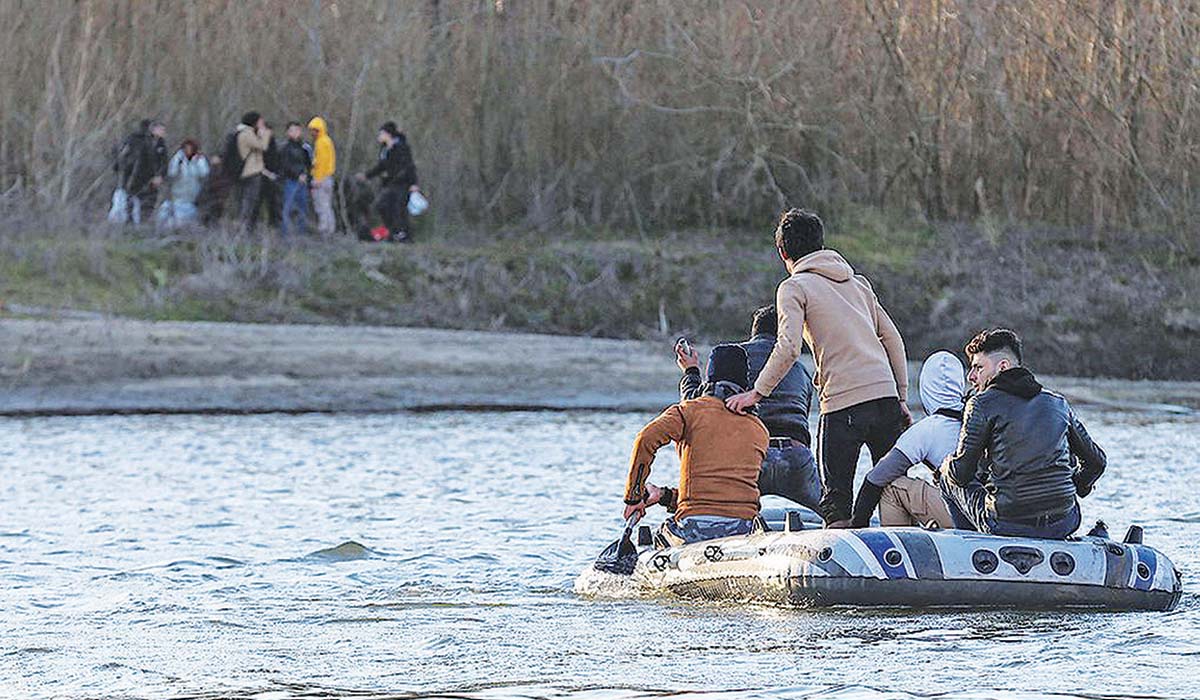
(379, 233)
(400, 237)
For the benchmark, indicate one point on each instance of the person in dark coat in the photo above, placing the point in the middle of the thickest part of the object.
(1023, 458)
(789, 469)
(142, 162)
(398, 176)
(295, 161)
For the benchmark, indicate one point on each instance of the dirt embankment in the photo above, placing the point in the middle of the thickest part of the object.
(85, 366)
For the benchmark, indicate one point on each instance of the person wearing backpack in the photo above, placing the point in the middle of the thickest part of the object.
(253, 137)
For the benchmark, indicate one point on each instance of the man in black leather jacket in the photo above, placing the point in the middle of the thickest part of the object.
(789, 469)
(1036, 456)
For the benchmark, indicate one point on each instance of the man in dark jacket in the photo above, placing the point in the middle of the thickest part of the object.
(398, 176)
(142, 163)
(295, 160)
(1027, 441)
(789, 469)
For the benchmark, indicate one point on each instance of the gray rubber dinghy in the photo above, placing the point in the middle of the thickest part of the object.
(912, 567)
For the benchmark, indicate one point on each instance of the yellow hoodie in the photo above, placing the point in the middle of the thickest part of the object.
(324, 155)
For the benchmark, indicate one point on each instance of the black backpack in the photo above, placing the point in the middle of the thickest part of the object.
(128, 154)
(233, 157)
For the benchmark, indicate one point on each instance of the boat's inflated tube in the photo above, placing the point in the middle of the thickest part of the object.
(912, 567)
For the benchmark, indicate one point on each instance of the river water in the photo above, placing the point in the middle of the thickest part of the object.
(435, 554)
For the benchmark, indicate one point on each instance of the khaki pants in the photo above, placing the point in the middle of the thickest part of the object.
(322, 193)
(909, 501)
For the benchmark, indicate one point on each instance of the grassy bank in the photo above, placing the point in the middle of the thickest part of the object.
(1088, 305)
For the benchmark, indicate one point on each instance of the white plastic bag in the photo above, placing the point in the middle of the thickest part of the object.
(417, 204)
(118, 213)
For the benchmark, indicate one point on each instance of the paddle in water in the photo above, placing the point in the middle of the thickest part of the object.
(621, 556)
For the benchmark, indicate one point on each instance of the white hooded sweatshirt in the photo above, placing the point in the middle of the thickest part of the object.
(931, 439)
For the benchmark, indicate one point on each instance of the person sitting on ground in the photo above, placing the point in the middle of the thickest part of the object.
(398, 176)
(903, 483)
(862, 372)
(789, 469)
(720, 455)
(1031, 439)
(186, 173)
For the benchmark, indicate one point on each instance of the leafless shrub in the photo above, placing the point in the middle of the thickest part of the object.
(646, 114)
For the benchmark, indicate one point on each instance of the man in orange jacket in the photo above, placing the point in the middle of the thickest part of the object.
(720, 455)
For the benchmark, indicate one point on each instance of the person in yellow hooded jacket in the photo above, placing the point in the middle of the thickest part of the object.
(323, 165)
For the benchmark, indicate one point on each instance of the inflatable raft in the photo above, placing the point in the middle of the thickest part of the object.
(912, 567)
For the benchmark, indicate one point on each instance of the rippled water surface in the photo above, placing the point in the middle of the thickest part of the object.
(435, 554)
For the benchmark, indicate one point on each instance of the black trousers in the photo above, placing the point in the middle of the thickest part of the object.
(250, 197)
(841, 436)
(392, 206)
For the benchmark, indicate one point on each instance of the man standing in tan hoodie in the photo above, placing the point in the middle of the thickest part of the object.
(862, 372)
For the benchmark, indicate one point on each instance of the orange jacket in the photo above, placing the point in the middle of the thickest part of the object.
(720, 455)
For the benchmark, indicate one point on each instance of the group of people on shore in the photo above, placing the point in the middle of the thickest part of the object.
(1010, 459)
(291, 179)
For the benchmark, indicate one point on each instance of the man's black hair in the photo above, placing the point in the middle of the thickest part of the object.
(391, 128)
(799, 233)
(251, 118)
(765, 321)
(995, 340)
(294, 123)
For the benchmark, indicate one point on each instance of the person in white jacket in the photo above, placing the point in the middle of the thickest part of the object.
(186, 173)
(902, 482)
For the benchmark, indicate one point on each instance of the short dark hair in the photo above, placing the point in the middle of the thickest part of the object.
(764, 321)
(251, 118)
(996, 340)
(799, 233)
(294, 123)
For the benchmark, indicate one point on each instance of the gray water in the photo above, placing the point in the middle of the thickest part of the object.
(283, 556)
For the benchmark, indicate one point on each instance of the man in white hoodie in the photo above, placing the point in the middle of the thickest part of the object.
(862, 373)
(902, 484)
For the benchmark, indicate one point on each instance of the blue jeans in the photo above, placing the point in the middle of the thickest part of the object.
(295, 201)
(969, 509)
(698, 528)
(791, 472)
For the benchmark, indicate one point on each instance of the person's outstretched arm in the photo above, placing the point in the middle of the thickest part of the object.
(789, 301)
(894, 465)
(893, 345)
(1092, 460)
(666, 427)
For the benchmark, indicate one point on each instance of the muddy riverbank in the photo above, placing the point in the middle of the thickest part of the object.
(112, 365)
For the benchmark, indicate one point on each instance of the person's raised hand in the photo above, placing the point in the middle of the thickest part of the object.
(740, 403)
(686, 357)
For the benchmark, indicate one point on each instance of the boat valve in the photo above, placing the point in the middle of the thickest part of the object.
(1133, 535)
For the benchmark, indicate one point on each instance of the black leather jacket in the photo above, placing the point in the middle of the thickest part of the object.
(1027, 440)
(785, 411)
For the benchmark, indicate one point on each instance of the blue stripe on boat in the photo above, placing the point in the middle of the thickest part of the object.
(879, 543)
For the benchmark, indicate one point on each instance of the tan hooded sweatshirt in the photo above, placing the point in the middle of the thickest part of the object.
(858, 352)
